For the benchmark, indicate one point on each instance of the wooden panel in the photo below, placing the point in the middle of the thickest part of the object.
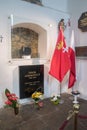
(81, 51)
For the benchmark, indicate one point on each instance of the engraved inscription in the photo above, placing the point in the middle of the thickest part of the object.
(31, 79)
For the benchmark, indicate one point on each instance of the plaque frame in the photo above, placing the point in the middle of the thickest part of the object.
(31, 79)
(81, 51)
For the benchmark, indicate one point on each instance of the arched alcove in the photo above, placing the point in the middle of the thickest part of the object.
(28, 35)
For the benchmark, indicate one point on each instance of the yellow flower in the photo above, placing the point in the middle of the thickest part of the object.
(36, 95)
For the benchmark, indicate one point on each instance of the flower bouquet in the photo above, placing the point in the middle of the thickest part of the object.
(38, 97)
(55, 99)
(12, 101)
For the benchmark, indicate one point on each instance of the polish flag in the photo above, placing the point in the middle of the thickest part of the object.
(72, 76)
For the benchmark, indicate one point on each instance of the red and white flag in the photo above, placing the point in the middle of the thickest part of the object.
(72, 76)
(60, 63)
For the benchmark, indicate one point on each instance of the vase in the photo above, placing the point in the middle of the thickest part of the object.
(37, 106)
(16, 110)
(40, 104)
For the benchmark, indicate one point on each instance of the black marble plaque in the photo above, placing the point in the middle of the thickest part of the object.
(31, 79)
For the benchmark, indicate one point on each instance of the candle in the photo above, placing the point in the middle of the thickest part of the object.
(11, 19)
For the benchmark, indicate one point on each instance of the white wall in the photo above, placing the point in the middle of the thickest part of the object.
(76, 8)
(50, 13)
(39, 15)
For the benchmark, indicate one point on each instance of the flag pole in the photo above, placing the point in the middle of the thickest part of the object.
(60, 62)
(61, 100)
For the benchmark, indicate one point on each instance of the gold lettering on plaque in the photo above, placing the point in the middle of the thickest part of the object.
(32, 83)
(28, 90)
(32, 75)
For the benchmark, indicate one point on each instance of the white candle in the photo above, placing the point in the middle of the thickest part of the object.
(11, 19)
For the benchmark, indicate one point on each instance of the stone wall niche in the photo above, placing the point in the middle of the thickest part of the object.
(28, 39)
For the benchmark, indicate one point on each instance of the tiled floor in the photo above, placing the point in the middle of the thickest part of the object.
(50, 117)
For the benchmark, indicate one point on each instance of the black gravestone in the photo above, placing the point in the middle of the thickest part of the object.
(31, 79)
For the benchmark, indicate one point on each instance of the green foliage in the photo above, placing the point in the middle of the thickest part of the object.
(6, 91)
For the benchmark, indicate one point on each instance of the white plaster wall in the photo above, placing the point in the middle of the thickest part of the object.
(76, 8)
(41, 15)
(56, 4)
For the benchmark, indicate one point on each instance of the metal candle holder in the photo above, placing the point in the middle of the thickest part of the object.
(75, 94)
